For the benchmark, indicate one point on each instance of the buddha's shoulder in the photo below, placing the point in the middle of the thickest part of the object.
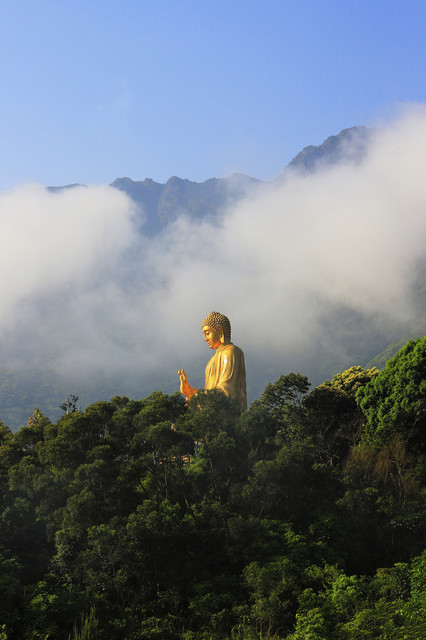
(231, 348)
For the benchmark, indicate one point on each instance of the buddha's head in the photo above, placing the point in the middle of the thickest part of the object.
(216, 329)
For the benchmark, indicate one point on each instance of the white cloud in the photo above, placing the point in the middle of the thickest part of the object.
(51, 241)
(79, 283)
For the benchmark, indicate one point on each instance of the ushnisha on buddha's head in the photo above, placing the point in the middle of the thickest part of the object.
(216, 329)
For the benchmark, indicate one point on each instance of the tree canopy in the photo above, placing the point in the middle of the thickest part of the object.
(301, 518)
(394, 401)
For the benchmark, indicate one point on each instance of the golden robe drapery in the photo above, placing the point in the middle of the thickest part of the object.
(226, 371)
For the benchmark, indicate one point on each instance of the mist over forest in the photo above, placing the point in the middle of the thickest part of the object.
(317, 270)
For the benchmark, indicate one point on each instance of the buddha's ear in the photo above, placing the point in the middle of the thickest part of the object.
(220, 334)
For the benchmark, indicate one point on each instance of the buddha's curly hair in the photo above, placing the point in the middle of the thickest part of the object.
(217, 320)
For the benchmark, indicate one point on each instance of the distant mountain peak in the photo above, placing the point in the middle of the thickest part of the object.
(349, 145)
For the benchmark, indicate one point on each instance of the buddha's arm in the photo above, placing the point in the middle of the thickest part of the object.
(185, 387)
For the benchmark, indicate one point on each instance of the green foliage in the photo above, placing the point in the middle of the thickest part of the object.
(394, 401)
(354, 607)
(150, 519)
(335, 421)
(383, 502)
(88, 629)
(289, 389)
(70, 404)
(352, 379)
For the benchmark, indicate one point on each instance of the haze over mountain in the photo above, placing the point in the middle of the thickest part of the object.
(318, 270)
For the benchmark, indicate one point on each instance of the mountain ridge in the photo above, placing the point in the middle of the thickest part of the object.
(161, 203)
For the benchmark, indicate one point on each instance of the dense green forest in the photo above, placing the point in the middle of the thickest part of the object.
(302, 518)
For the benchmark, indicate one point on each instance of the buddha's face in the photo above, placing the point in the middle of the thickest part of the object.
(211, 336)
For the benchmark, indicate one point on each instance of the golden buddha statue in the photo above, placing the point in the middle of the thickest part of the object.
(226, 369)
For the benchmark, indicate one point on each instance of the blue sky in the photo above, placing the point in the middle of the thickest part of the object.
(95, 90)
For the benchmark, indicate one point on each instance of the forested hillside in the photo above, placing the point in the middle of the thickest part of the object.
(302, 518)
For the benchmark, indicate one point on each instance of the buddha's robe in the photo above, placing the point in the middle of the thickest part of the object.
(227, 371)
